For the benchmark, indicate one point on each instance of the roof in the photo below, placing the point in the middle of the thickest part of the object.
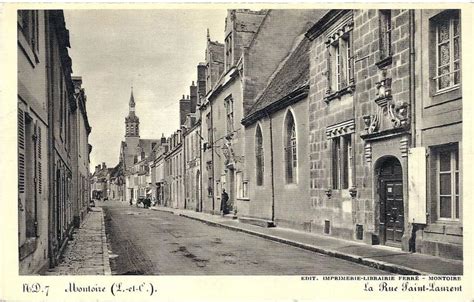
(146, 144)
(289, 77)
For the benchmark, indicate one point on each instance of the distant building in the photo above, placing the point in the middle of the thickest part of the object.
(100, 181)
(133, 147)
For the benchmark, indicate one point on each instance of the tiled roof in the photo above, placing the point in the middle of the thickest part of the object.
(292, 74)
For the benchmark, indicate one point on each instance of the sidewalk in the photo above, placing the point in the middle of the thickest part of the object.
(381, 257)
(87, 253)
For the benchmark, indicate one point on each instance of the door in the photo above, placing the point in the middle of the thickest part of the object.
(391, 203)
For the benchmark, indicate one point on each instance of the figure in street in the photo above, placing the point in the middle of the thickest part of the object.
(224, 199)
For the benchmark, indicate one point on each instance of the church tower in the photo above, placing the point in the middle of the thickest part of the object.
(132, 135)
(132, 121)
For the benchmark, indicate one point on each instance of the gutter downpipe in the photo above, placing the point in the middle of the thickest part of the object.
(271, 165)
(411, 66)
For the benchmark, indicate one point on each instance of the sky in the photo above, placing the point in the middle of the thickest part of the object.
(156, 51)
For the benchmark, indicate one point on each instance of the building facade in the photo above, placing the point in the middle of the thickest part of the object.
(277, 147)
(80, 153)
(33, 127)
(372, 119)
(53, 148)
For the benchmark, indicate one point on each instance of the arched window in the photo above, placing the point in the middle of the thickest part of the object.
(291, 158)
(259, 164)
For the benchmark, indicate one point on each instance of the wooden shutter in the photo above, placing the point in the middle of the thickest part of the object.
(21, 151)
(38, 160)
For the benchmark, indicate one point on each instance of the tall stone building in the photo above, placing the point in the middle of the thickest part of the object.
(385, 128)
(251, 55)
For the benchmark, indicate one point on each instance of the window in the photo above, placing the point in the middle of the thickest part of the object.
(259, 163)
(228, 52)
(341, 162)
(245, 189)
(448, 50)
(341, 72)
(385, 38)
(448, 184)
(209, 129)
(291, 157)
(28, 25)
(229, 108)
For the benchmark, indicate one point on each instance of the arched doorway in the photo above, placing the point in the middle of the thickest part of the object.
(390, 195)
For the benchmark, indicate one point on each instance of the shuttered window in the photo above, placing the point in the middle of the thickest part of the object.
(21, 151)
(38, 159)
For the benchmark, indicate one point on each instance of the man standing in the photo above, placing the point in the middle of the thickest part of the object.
(224, 199)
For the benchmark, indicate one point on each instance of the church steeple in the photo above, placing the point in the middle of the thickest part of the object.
(131, 121)
(131, 104)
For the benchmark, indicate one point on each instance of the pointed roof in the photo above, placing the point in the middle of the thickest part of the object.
(132, 99)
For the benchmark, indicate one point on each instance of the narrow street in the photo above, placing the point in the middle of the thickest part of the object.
(150, 242)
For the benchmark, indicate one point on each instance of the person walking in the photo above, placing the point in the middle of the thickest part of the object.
(224, 199)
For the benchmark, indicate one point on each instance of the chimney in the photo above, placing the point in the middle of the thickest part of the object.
(193, 94)
(97, 168)
(103, 165)
(201, 79)
(184, 109)
(163, 139)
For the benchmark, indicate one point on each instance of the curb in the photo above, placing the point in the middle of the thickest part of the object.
(381, 265)
(105, 250)
(162, 210)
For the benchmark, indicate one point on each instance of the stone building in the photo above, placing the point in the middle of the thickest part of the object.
(80, 153)
(277, 146)
(436, 139)
(53, 148)
(372, 122)
(133, 147)
(174, 172)
(251, 55)
(192, 160)
(157, 170)
(100, 182)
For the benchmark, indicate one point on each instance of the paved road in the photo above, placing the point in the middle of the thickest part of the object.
(157, 243)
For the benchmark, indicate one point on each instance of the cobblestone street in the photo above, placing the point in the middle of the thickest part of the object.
(87, 253)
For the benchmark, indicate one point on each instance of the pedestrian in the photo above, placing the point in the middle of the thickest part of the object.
(224, 199)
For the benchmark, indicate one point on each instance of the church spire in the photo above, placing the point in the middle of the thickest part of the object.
(131, 121)
(132, 99)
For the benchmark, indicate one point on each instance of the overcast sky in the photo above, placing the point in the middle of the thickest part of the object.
(157, 50)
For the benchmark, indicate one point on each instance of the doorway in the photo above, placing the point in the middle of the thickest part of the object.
(390, 190)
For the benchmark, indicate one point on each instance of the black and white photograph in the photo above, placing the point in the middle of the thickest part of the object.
(235, 141)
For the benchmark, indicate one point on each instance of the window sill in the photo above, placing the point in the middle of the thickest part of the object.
(243, 198)
(338, 94)
(444, 96)
(384, 62)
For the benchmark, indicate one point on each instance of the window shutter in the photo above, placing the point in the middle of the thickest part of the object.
(38, 160)
(21, 151)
